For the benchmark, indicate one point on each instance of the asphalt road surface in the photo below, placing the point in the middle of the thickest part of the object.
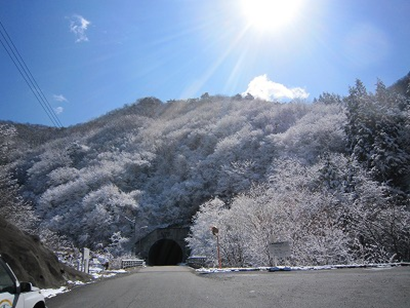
(168, 287)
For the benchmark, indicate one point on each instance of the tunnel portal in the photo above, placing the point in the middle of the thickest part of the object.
(164, 246)
(165, 252)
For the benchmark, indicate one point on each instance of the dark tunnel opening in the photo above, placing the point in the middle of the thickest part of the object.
(165, 252)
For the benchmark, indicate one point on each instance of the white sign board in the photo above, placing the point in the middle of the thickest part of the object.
(86, 259)
(280, 249)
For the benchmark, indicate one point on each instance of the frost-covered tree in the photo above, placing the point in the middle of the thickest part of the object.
(283, 171)
(377, 132)
(331, 213)
(8, 135)
(201, 240)
(118, 244)
(13, 207)
(289, 209)
(329, 99)
(317, 132)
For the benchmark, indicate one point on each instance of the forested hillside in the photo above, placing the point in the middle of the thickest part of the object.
(331, 177)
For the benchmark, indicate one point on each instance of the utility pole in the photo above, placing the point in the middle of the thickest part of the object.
(133, 223)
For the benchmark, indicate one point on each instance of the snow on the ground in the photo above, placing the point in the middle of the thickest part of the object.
(48, 293)
(98, 275)
(295, 268)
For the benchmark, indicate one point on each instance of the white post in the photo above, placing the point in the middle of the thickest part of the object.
(86, 259)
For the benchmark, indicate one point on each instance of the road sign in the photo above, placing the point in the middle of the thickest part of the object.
(215, 232)
(280, 249)
(86, 257)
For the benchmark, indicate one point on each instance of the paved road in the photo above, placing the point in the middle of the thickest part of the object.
(168, 287)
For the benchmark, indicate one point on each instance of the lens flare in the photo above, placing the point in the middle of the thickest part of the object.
(270, 15)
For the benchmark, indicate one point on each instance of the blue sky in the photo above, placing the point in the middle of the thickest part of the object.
(92, 56)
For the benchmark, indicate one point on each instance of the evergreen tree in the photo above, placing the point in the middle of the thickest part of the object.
(377, 134)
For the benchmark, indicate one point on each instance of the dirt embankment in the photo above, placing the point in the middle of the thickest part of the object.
(31, 261)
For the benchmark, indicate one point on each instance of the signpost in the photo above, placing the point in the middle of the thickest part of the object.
(86, 257)
(215, 232)
(279, 250)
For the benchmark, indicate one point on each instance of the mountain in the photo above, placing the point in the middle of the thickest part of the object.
(156, 164)
(402, 85)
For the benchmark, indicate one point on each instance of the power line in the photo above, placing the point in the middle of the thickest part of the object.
(28, 77)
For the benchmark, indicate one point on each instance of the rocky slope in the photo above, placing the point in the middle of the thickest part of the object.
(31, 261)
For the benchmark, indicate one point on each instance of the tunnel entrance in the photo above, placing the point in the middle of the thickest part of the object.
(165, 252)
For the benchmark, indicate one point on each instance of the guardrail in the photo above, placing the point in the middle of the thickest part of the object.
(196, 261)
(129, 263)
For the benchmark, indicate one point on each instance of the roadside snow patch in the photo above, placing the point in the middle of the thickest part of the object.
(49, 293)
(296, 268)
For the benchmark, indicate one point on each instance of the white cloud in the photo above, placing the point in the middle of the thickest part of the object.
(58, 110)
(78, 25)
(263, 88)
(60, 98)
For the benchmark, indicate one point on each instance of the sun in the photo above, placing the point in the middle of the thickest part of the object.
(270, 15)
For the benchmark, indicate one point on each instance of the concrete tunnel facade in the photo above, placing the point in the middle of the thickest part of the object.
(164, 246)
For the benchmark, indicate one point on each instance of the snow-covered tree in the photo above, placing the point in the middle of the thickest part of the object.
(13, 207)
(201, 240)
(282, 171)
(377, 132)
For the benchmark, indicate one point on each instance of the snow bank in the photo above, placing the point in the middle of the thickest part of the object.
(296, 268)
(49, 293)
